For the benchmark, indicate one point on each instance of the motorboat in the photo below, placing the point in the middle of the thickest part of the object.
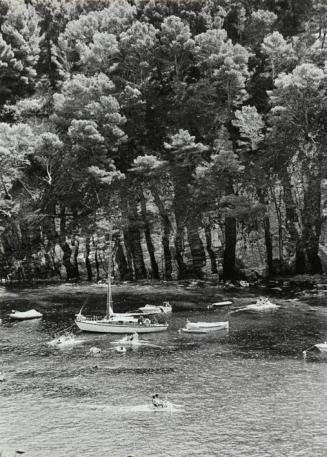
(263, 304)
(319, 348)
(220, 304)
(23, 315)
(165, 308)
(117, 322)
(205, 327)
(121, 349)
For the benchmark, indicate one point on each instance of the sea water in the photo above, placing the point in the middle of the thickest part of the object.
(246, 393)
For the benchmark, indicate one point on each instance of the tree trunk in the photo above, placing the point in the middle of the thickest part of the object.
(229, 261)
(134, 240)
(179, 247)
(166, 234)
(148, 239)
(292, 222)
(76, 251)
(196, 246)
(211, 253)
(132, 235)
(70, 270)
(96, 260)
(268, 242)
(125, 272)
(87, 259)
(185, 218)
(308, 247)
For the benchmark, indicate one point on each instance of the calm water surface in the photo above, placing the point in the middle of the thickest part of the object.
(246, 393)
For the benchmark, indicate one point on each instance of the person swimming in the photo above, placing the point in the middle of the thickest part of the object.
(157, 403)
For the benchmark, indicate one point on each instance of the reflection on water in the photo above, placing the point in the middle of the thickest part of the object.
(238, 394)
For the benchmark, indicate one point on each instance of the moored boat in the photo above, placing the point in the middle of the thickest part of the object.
(117, 322)
(165, 308)
(23, 315)
(220, 304)
(316, 349)
(263, 304)
(113, 325)
(205, 327)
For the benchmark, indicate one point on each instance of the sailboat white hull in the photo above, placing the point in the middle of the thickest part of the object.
(105, 326)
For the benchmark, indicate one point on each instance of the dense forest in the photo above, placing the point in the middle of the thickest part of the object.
(197, 127)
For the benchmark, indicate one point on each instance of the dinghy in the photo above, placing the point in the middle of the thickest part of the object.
(205, 327)
(319, 348)
(121, 349)
(94, 350)
(65, 341)
(23, 315)
(220, 304)
(263, 304)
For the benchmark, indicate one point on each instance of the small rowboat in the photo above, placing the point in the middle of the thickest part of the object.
(319, 348)
(23, 315)
(220, 304)
(263, 304)
(205, 327)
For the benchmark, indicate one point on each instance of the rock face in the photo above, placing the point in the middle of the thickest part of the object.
(150, 250)
(85, 258)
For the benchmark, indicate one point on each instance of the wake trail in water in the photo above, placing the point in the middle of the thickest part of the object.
(143, 408)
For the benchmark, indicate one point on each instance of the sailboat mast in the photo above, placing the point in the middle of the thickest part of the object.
(109, 293)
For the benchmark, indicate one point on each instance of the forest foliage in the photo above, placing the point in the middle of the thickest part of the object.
(187, 115)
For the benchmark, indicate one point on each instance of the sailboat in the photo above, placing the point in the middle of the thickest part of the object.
(117, 322)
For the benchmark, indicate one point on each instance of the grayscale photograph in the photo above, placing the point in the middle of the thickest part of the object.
(163, 228)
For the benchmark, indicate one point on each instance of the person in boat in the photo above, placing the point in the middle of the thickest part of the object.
(133, 337)
(157, 403)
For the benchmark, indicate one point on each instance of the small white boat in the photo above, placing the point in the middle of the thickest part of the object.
(322, 346)
(2, 377)
(316, 348)
(64, 341)
(205, 327)
(263, 304)
(165, 308)
(22, 315)
(121, 349)
(94, 350)
(220, 304)
(244, 284)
